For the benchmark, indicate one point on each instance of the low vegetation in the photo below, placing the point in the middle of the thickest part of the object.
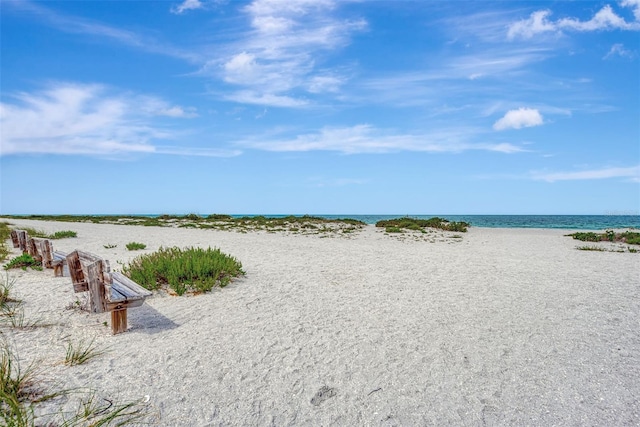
(398, 225)
(135, 246)
(24, 261)
(5, 235)
(64, 234)
(188, 270)
(628, 237)
(625, 237)
(289, 224)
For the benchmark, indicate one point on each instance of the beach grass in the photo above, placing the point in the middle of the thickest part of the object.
(5, 235)
(81, 352)
(188, 270)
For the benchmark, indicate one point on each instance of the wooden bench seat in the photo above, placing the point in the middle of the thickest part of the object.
(108, 291)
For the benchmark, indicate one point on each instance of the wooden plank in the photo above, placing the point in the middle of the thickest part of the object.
(128, 287)
(22, 240)
(46, 249)
(32, 249)
(96, 287)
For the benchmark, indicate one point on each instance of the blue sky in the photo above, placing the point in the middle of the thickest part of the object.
(320, 107)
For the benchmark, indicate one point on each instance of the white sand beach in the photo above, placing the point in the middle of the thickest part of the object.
(500, 327)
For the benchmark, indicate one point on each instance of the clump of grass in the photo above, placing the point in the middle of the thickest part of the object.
(188, 270)
(420, 224)
(23, 261)
(109, 246)
(32, 232)
(63, 234)
(134, 246)
(393, 229)
(81, 352)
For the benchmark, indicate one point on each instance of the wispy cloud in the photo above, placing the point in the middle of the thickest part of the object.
(86, 119)
(279, 56)
(605, 19)
(631, 173)
(516, 119)
(618, 50)
(368, 139)
(187, 5)
(78, 25)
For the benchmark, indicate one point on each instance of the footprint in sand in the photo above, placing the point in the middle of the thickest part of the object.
(323, 394)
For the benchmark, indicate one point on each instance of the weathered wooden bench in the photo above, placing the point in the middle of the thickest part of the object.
(108, 291)
(19, 239)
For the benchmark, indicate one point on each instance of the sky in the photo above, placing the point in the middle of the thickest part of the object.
(319, 107)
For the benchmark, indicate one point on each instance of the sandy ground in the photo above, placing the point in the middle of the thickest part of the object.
(501, 327)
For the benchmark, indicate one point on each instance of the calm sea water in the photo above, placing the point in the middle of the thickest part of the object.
(579, 222)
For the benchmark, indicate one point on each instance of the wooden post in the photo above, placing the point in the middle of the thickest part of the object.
(32, 249)
(118, 321)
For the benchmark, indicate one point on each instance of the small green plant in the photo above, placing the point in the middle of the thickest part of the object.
(109, 246)
(591, 248)
(393, 229)
(632, 250)
(189, 270)
(80, 352)
(23, 261)
(63, 234)
(134, 246)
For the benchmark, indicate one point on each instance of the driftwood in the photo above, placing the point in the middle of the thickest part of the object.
(108, 291)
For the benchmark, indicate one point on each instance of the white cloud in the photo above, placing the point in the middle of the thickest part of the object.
(279, 55)
(516, 119)
(86, 119)
(632, 173)
(368, 139)
(605, 19)
(618, 49)
(187, 5)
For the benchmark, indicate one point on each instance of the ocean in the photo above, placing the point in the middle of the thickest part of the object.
(577, 222)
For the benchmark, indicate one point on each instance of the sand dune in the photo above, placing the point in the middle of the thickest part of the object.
(501, 327)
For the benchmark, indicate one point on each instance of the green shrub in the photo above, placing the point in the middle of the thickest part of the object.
(420, 224)
(23, 261)
(134, 246)
(188, 270)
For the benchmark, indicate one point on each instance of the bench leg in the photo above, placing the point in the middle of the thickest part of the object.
(57, 269)
(118, 321)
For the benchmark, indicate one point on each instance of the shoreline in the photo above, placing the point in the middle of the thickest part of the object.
(502, 326)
